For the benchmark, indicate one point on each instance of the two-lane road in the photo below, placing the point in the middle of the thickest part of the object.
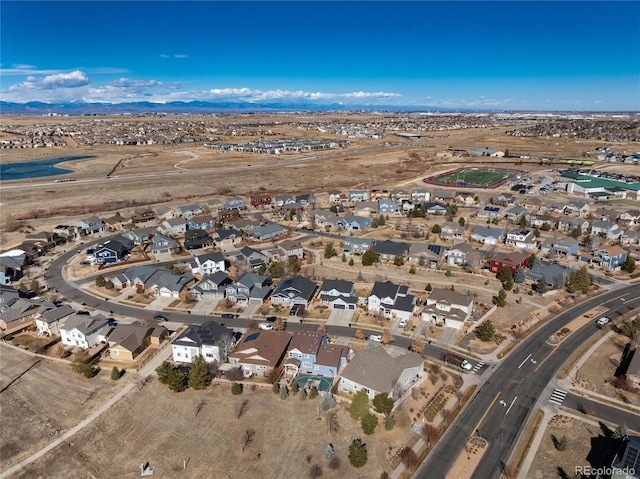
(501, 407)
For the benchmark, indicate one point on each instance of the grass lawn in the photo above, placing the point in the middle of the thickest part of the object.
(472, 177)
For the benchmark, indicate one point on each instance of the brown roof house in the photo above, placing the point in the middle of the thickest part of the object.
(448, 308)
(259, 352)
(128, 341)
(310, 352)
(375, 371)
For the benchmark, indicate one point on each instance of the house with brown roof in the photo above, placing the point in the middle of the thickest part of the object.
(374, 371)
(128, 341)
(302, 352)
(448, 308)
(259, 352)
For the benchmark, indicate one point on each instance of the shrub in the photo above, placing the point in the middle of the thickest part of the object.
(115, 373)
(369, 422)
(236, 389)
(358, 453)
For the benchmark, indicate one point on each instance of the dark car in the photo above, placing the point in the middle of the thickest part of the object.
(159, 317)
(271, 319)
(112, 322)
(228, 315)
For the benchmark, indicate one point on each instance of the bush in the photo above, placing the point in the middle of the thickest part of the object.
(485, 331)
(115, 373)
(369, 422)
(313, 392)
(100, 281)
(358, 453)
(389, 422)
(275, 388)
(236, 389)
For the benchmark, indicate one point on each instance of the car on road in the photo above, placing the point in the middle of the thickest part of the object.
(112, 322)
(159, 317)
(266, 326)
(227, 315)
(375, 337)
(466, 365)
(602, 321)
(271, 319)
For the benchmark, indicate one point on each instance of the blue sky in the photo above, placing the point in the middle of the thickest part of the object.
(498, 55)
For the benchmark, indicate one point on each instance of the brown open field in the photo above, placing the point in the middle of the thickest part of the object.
(549, 462)
(161, 427)
(41, 399)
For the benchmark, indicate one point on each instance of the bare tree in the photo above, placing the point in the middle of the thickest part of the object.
(249, 436)
(387, 337)
(332, 421)
(418, 345)
(279, 324)
(409, 459)
(199, 407)
(430, 433)
(225, 342)
(241, 408)
(446, 415)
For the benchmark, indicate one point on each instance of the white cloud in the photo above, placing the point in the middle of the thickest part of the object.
(128, 83)
(180, 56)
(480, 102)
(74, 79)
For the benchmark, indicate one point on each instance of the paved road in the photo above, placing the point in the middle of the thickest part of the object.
(500, 408)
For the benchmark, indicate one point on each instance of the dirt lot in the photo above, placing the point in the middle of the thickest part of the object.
(549, 462)
(161, 427)
(42, 399)
(599, 369)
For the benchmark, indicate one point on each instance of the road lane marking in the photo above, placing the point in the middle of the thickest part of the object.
(524, 361)
(512, 402)
(542, 362)
(487, 411)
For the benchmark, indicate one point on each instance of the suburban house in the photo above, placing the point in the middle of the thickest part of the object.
(128, 341)
(259, 352)
(253, 257)
(171, 285)
(457, 255)
(627, 459)
(554, 274)
(391, 301)
(491, 212)
(426, 254)
(208, 263)
(268, 231)
(516, 212)
(576, 208)
(606, 229)
(215, 205)
(85, 331)
(568, 224)
(195, 239)
(201, 222)
(540, 220)
(249, 289)
(173, 226)
(388, 250)
(91, 225)
(302, 352)
(513, 261)
(11, 266)
(260, 200)
(465, 198)
(351, 222)
(293, 291)
(338, 294)
(209, 340)
(281, 200)
(630, 238)
(435, 209)
(523, 240)
(446, 196)
(225, 216)
(136, 236)
(562, 246)
(420, 196)
(356, 246)
(507, 199)
(50, 321)
(448, 308)
(20, 313)
(211, 286)
(331, 358)
(323, 218)
(243, 224)
(137, 276)
(365, 208)
(374, 371)
(291, 248)
(609, 257)
(188, 211)
(358, 195)
(162, 244)
(164, 212)
(487, 236)
(111, 251)
(388, 207)
(143, 215)
(227, 239)
(235, 203)
(306, 200)
(451, 231)
(629, 217)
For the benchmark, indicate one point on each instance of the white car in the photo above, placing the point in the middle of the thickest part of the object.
(402, 324)
(267, 326)
(466, 365)
(602, 321)
(375, 337)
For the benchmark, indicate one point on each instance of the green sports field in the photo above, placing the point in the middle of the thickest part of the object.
(473, 177)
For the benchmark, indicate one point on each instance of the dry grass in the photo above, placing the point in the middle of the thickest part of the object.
(32, 418)
(161, 427)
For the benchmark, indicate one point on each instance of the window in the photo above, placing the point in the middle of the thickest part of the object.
(306, 356)
(306, 365)
(115, 352)
(209, 355)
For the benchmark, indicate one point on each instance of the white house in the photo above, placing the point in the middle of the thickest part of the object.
(50, 321)
(522, 239)
(210, 340)
(448, 308)
(391, 301)
(85, 331)
(208, 263)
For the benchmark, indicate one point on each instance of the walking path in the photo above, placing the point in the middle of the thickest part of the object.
(148, 369)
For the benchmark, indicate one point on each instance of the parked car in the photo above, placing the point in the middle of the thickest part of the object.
(267, 326)
(112, 322)
(602, 321)
(403, 323)
(375, 337)
(271, 319)
(228, 315)
(159, 317)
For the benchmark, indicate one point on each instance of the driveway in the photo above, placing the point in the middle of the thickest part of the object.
(340, 317)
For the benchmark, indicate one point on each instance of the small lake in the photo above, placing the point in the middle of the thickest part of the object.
(37, 168)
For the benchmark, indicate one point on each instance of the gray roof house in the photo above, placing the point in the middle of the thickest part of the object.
(296, 290)
(448, 308)
(388, 249)
(211, 286)
(210, 340)
(339, 294)
(390, 300)
(375, 371)
(356, 246)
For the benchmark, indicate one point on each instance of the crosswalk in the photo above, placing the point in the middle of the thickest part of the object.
(557, 396)
(477, 368)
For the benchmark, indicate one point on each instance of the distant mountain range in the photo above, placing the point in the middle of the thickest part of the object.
(75, 108)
